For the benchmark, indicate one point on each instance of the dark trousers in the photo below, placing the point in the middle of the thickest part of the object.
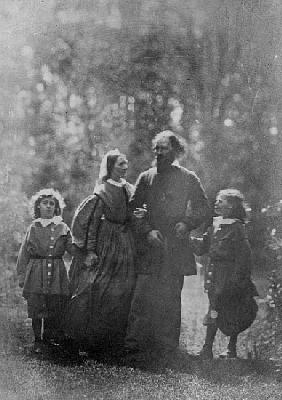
(210, 336)
(36, 326)
(155, 315)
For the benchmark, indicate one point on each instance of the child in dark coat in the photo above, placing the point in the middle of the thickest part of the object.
(228, 281)
(41, 269)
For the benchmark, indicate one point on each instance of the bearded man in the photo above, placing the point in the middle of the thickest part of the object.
(175, 204)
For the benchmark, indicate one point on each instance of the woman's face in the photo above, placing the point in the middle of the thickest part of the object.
(120, 168)
(47, 207)
(222, 207)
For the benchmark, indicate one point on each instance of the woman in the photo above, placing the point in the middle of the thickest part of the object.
(102, 277)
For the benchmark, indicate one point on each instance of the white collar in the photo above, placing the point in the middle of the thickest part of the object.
(115, 183)
(218, 221)
(47, 221)
(176, 163)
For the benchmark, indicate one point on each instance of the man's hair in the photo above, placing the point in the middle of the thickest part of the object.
(178, 143)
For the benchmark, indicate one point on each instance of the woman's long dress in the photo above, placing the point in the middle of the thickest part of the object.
(101, 295)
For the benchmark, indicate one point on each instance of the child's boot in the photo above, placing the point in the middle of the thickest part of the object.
(231, 352)
(210, 318)
(36, 326)
(206, 352)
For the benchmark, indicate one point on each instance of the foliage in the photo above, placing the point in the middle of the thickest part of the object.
(14, 219)
(274, 295)
(273, 248)
(113, 75)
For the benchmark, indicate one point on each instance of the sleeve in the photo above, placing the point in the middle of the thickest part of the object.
(81, 221)
(23, 259)
(129, 189)
(137, 200)
(94, 226)
(69, 243)
(243, 256)
(198, 210)
(200, 245)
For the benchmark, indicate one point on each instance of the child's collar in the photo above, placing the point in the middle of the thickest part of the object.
(218, 221)
(47, 221)
(176, 163)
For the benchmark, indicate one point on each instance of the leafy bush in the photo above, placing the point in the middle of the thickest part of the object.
(273, 250)
(14, 219)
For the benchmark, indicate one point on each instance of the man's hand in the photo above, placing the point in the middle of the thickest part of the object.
(91, 259)
(140, 213)
(155, 238)
(180, 230)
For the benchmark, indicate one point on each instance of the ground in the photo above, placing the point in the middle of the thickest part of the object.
(26, 377)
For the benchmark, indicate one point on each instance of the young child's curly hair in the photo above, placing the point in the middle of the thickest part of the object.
(236, 199)
(43, 193)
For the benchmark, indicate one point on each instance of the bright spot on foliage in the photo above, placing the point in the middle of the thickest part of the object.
(236, 97)
(228, 122)
(199, 146)
(198, 32)
(122, 101)
(159, 99)
(113, 20)
(40, 87)
(46, 107)
(75, 101)
(195, 135)
(46, 74)
(236, 76)
(27, 52)
(176, 113)
(130, 107)
(91, 126)
(273, 131)
(225, 81)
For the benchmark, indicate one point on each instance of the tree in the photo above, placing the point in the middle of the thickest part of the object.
(115, 73)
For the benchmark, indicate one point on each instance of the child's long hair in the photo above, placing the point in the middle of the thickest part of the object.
(37, 197)
(236, 199)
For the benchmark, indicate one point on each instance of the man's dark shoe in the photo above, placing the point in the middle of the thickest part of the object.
(209, 321)
(206, 353)
(38, 347)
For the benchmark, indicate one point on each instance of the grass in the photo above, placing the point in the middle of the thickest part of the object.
(27, 377)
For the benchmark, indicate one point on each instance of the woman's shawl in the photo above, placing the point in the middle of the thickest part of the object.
(85, 211)
(81, 220)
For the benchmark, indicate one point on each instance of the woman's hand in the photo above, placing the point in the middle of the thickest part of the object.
(155, 238)
(91, 259)
(180, 230)
(140, 213)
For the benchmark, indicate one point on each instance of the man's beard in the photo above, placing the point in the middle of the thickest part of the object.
(164, 162)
